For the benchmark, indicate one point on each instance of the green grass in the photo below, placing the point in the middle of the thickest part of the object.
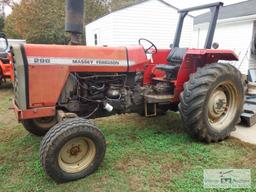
(142, 155)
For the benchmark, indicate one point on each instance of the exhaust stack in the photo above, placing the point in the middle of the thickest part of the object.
(74, 21)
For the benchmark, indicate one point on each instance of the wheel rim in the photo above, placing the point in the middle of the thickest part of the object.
(222, 105)
(77, 154)
(45, 122)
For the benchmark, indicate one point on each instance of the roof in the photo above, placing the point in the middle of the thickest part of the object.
(241, 9)
(137, 3)
(143, 1)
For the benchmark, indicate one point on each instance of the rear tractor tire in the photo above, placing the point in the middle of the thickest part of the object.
(212, 102)
(71, 150)
(41, 126)
(1, 77)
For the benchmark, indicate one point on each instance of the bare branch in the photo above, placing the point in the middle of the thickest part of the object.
(8, 2)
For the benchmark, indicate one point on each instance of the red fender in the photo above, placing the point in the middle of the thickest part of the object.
(195, 58)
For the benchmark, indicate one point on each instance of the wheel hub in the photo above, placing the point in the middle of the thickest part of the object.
(76, 154)
(218, 104)
(74, 151)
(222, 106)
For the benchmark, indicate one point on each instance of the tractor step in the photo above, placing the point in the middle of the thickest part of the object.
(148, 112)
(151, 101)
(248, 117)
(158, 98)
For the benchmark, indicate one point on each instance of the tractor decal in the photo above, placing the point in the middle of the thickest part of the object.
(77, 61)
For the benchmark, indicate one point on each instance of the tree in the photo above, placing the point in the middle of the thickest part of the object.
(95, 9)
(118, 4)
(1, 23)
(42, 21)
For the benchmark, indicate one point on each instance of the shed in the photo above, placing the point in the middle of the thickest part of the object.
(236, 30)
(155, 20)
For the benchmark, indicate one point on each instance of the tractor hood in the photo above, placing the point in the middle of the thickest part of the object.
(87, 59)
(42, 70)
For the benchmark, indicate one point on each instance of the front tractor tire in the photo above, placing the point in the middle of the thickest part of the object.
(40, 126)
(212, 102)
(72, 149)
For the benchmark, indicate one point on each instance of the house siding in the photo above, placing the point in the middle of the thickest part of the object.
(104, 30)
(152, 20)
(235, 36)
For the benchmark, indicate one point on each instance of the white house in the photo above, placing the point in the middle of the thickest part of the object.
(155, 20)
(236, 30)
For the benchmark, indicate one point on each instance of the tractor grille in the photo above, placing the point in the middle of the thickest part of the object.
(20, 76)
(15, 82)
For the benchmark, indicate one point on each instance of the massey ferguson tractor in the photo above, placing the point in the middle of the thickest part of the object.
(60, 88)
(6, 69)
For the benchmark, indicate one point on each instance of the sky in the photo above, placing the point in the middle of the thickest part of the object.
(177, 3)
(181, 4)
(190, 3)
(8, 10)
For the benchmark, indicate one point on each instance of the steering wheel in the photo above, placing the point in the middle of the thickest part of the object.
(152, 45)
(3, 42)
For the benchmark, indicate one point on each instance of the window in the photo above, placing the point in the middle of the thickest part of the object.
(95, 39)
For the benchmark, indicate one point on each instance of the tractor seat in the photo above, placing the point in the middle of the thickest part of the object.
(171, 70)
(175, 59)
(4, 57)
(176, 55)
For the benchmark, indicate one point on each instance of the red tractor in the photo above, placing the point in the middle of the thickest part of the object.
(6, 70)
(59, 87)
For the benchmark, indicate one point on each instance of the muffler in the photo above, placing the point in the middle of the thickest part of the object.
(74, 21)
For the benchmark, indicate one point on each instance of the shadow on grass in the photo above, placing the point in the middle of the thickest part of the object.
(6, 86)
